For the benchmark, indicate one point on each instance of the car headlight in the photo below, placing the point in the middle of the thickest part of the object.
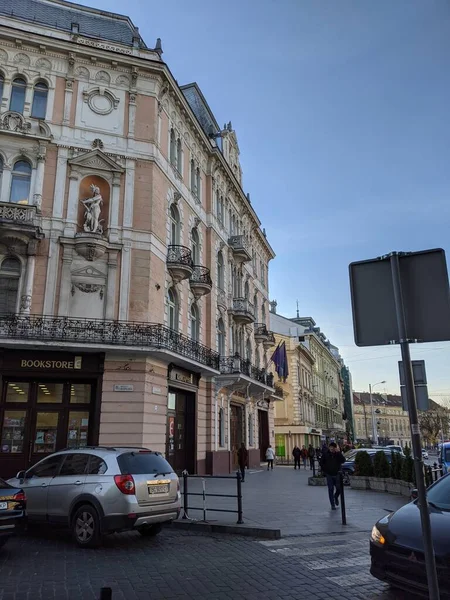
(376, 536)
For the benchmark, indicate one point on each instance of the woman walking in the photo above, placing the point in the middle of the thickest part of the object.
(270, 456)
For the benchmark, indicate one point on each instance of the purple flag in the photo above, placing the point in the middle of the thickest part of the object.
(283, 373)
(276, 358)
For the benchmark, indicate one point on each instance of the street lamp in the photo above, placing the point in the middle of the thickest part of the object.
(374, 425)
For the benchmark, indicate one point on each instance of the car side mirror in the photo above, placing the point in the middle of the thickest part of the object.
(20, 475)
(414, 494)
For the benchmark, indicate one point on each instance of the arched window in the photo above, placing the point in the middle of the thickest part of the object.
(195, 241)
(221, 337)
(172, 302)
(246, 290)
(195, 323)
(263, 314)
(193, 188)
(220, 272)
(173, 147)
(17, 102)
(39, 107)
(2, 82)
(197, 182)
(248, 350)
(1, 167)
(221, 427)
(174, 226)
(255, 305)
(20, 183)
(9, 285)
(179, 155)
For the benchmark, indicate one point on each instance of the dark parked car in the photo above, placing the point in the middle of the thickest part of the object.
(396, 546)
(348, 468)
(12, 511)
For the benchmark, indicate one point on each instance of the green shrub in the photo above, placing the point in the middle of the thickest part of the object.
(396, 465)
(363, 464)
(381, 465)
(408, 469)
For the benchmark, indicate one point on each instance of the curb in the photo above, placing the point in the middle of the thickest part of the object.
(245, 530)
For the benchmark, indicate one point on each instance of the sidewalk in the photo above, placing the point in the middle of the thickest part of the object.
(282, 499)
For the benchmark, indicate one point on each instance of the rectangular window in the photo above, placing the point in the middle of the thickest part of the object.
(17, 392)
(78, 429)
(80, 393)
(46, 430)
(50, 393)
(13, 432)
(39, 106)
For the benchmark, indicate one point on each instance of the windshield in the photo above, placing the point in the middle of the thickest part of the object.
(142, 463)
(447, 455)
(439, 494)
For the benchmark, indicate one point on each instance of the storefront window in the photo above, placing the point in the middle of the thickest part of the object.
(17, 392)
(78, 429)
(50, 393)
(46, 430)
(171, 401)
(80, 393)
(13, 431)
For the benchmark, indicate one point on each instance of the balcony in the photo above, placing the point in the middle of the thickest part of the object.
(261, 333)
(239, 374)
(85, 334)
(278, 394)
(179, 263)
(200, 281)
(19, 218)
(269, 342)
(243, 311)
(240, 247)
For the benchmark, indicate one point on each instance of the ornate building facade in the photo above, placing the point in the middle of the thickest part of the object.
(312, 409)
(134, 271)
(391, 420)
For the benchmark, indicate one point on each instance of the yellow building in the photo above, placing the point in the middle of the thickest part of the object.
(312, 407)
(392, 421)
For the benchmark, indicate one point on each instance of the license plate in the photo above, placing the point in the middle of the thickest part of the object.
(158, 489)
(3, 505)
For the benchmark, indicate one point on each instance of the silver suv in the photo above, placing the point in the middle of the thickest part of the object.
(100, 490)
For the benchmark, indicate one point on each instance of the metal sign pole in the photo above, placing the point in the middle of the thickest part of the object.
(430, 560)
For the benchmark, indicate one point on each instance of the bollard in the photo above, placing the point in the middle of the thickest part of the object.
(240, 520)
(341, 485)
(106, 594)
(185, 495)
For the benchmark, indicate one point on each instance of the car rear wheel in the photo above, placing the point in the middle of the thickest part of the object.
(150, 530)
(86, 527)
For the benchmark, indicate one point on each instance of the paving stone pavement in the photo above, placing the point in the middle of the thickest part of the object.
(48, 566)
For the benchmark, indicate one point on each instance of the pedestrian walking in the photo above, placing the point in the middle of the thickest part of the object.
(296, 453)
(330, 464)
(311, 456)
(304, 452)
(270, 455)
(242, 460)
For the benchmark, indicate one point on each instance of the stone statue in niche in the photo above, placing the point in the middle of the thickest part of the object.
(92, 222)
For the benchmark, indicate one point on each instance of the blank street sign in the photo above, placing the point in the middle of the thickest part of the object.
(426, 299)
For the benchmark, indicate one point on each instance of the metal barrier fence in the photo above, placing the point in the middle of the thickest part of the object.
(204, 495)
(432, 473)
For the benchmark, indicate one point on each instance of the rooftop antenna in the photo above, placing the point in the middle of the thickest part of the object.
(298, 314)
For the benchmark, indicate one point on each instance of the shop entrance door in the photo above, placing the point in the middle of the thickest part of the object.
(41, 417)
(236, 431)
(263, 426)
(181, 442)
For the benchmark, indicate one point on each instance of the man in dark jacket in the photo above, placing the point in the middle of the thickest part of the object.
(242, 460)
(296, 453)
(311, 456)
(330, 464)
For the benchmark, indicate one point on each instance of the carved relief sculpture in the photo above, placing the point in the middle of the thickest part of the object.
(92, 223)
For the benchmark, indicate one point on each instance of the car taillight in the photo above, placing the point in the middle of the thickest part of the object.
(20, 497)
(125, 483)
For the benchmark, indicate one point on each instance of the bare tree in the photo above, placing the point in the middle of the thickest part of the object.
(433, 422)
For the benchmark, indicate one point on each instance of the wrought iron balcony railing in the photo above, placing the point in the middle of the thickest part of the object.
(201, 275)
(235, 364)
(179, 255)
(107, 332)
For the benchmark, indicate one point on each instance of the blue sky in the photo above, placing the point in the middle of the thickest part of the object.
(342, 114)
